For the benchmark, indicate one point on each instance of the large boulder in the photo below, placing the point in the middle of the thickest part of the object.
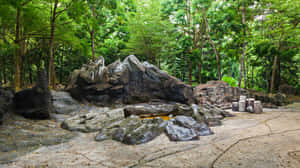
(184, 128)
(93, 119)
(133, 130)
(35, 103)
(126, 82)
(155, 109)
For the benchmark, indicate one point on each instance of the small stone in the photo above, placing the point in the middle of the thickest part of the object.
(242, 97)
(258, 107)
(235, 106)
(242, 105)
(250, 109)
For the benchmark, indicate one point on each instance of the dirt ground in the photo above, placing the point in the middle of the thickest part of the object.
(267, 140)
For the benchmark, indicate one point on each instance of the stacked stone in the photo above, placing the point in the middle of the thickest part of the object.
(242, 104)
(247, 105)
(217, 93)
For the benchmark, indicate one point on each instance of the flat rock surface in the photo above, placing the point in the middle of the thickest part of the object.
(267, 140)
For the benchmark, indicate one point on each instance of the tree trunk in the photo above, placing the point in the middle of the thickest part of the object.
(17, 52)
(244, 44)
(213, 45)
(93, 35)
(190, 72)
(274, 66)
(51, 73)
(278, 78)
(199, 72)
(267, 74)
(273, 73)
(61, 67)
(23, 51)
(241, 72)
(93, 44)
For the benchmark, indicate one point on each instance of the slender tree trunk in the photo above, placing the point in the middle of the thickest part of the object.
(244, 44)
(17, 52)
(200, 65)
(267, 74)
(23, 51)
(252, 75)
(61, 67)
(274, 66)
(4, 69)
(279, 77)
(51, 73)
(190, 70)
(213, 45)
(273, 73)
(241, 72)
(199, 72)
(93, 44)
(92, 33)
(217, 57)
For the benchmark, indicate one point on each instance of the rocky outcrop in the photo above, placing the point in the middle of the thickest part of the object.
(35, 103)
(133, 130)
(221, 95)
(204, 113)
(93, 120)
(126, 82)
(155, 109)
(5, 102)
(183, 128)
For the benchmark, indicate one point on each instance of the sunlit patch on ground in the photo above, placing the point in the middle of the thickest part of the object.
(163, 117)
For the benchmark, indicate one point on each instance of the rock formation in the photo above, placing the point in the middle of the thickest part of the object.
(126, 82)
(133, 130)
(184, 128)
(93, 120)
(35, 103)
(221, 95)
(217, 93)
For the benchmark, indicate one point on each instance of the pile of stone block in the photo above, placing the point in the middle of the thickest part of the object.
(218, 93)
(247, 105)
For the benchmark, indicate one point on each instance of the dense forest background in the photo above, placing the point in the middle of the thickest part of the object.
(247, 43)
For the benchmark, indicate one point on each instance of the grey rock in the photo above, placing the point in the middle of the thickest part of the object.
(35, 103)
(250, 109)
(235, 106)
(95, 119)
(242, 105)
(153, 109)
(133, 130)
(127, 82)
(258, 107)
(183, 128)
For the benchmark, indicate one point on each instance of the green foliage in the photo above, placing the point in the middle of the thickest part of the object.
(230, 80)
(169, 33)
